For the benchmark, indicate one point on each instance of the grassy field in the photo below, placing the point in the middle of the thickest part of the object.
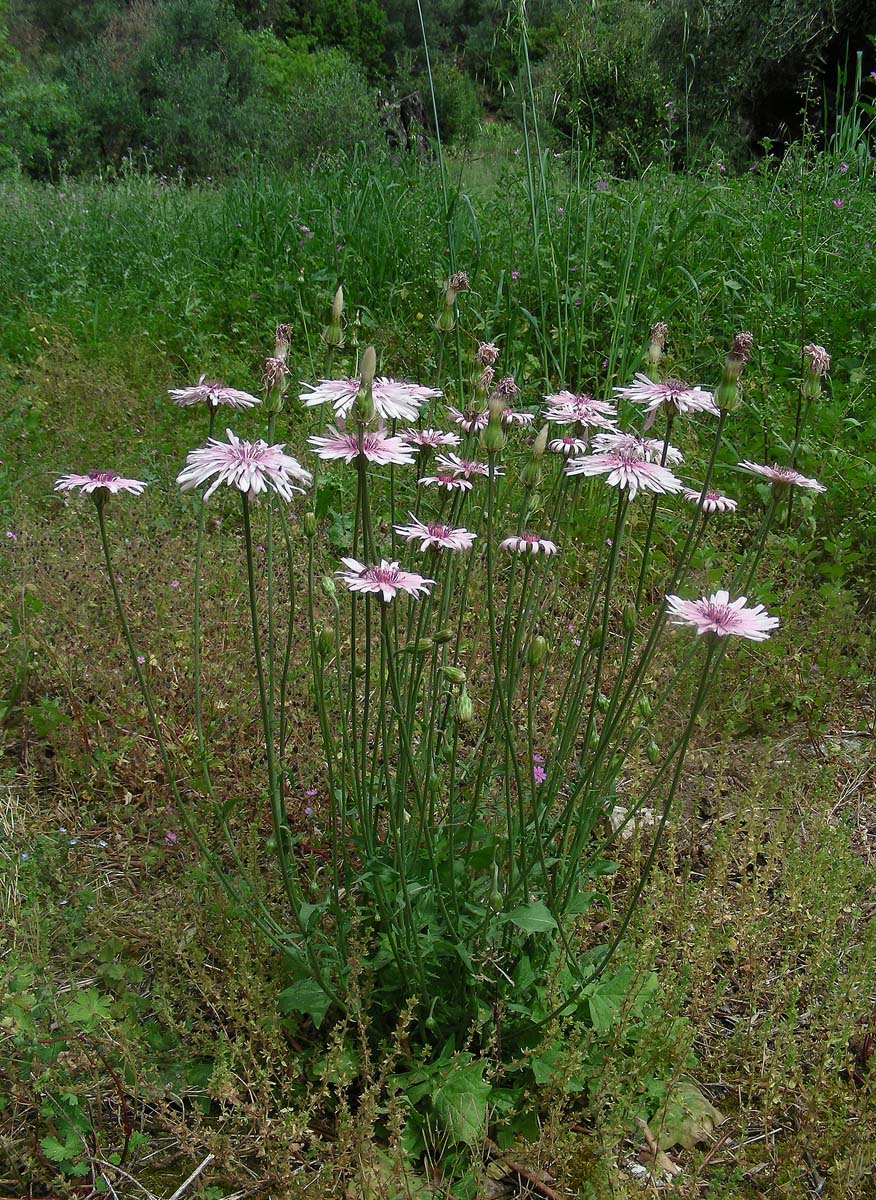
(140, 1029)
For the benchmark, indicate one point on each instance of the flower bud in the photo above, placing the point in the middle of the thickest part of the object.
(325, 641)
(442, 637)
(309, 524)
(464, 707)
(368, 367)
(493, 438)
(629, 619)
(328, 585)
(538, 649)
(333, 335)
(643, 704)
(531, 475)
(728, 395)
(423, 646)
(497, 900)
(602, 702)
(540, 444)
(595, 639)
(453, 674)
(653, 753)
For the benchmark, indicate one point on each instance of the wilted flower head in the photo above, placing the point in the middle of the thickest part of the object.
(468, 419)
(102, 482)
(673, 395)
(651, 449)
(251, 467)
(486, 354)
(626, 470)
(386, 579)
(282, 341)
(393, 399)
(458, 282)
(717, 615)
(377, 447)
(711, 502)
(783, 477)
(658, 335)
(817, 359)
(433, 535)
(507, 388)
(212, 392)
(274, 374)
(529, 543)
(430, 439)
(485, 379)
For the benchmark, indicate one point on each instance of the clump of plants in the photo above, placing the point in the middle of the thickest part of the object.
(446, 904)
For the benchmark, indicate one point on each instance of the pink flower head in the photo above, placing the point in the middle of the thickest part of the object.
(468, 419)
(783, 477)
(570, 408)
(462, 466)
(432, 535)
(625, 470)
(386, 578)
(102, 482)
(512, 417)
(430, 439)
(393, 399)
(817, 359)
(377, 447)
(568, 445)
(448, 480)
(212, 392)
(717, 615)
(712, 502)
(252, 467)
(672, 394)
(650, 449)
(529, 543)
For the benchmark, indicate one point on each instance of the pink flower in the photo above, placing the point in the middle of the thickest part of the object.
(569, 408)
(377, 447)
(13, 537)
(252, 467)
(783, 477)
(838, 203)
(712, 502)
(103, 482)
(673, 394)
(386, 578)
(715, 614)
(141, 659)
(470, 421)
(817, 358)
(515, 274)
(529, 543)
(539, 774)
(651, 449)
(213, 393)
(170, 838)
(625, 470)
(174, 583)
(510, 417)
(393, 399)
(463, 466)
(568, 445)
(430, 439)
(447, 480)
(441, 537)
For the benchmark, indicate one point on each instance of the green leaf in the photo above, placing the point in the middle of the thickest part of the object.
(57, 1151)
(88, 1008)
(531, 918)
(307, 997)
(460, 1101)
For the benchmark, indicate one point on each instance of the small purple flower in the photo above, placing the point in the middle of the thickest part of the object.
(140, 659)
(838, 203)
(515, 274)
(601, 185)
(843, 168)
(174, 583)
(310, 791)
(171, 838)
(539, 774)
(12, 536)
(308, 812)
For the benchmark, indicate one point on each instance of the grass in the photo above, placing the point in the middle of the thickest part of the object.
(756, 940)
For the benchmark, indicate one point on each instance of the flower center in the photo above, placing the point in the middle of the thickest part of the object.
(439, 531)
(720, 614)
(446, 477)
(674, 387)
(530, 538)
(102, 476)
(713, 496)
(382, 575)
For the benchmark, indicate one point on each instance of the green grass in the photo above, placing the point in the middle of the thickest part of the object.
(123, 962)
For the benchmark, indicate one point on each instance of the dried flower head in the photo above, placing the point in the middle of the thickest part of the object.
(282, 340)
(458, 282)
(659, 335)
(817, 359)
(507, 388)
(274, 374)
(486, 354)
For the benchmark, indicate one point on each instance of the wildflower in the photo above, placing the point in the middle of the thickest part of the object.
(430, 439)
(140, 659)
(783, 477)
(102, 482)
(843, 168)
(507, 388)
(385, 578)
(211, 392)
(274, 373)
(448, 480)
(717, 615)
(817, 359)
(515, 274)
(377, 447)
(511, 417)
(570, 408)
(12, 536)
(441, 537)
(468, 419)
(458, 282)
(838, 203)
(626, 470)
(486, 354)
(711, 502)
(252, 467)
(568, 445)
(393, 399)
(529, 543)
(672, 394)
(170, 838)
(174, 583)
(650, 449)
(539, 774)
(601, 185)
(462, 466)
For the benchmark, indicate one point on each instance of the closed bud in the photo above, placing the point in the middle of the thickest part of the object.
(538, 649)
(453, 674)
(368, 368)
(493, 438)
(442, 637)
(338, 305)
(531, 475)
(602, 702)
(325, 642)
(464, 707)
(540, 444)
(328, 585)
(497, 900)
(595, 640)
(309, 524)
(423, 646)
(643, 704)
(653, 753)
(594, 740)
(434, 783)
(629, 618)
